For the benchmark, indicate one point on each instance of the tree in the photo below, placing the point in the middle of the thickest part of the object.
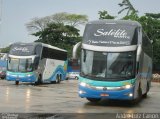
(69, 19)
(150, 23)
(155, 16)
(59, 29)
(39, 24)
(59, 35)
(104, 15)
(128, 6)
(132, 16)
(76, 20)
(5, 50)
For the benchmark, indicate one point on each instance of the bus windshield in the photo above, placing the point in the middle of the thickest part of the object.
(107, 66)
(20, 65)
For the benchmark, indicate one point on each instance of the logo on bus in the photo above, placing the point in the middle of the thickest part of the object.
(23, 49)
(115, 33)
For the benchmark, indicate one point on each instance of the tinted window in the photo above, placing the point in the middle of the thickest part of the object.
(108, 66)
(53, 54)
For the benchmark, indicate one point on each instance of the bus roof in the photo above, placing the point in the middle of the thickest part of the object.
(39, 43)
(53, 47)
(111, 21)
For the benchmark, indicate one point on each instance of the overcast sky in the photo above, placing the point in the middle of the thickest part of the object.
(16, 13)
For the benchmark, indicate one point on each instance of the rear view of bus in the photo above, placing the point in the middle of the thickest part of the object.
(116, 61)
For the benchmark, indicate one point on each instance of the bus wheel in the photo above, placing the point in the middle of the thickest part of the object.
(76, 78)
(39, 81)
(139, 94)
(138, 99)
(66, 78)
(17, 82)
(57, 79)
(95, 100)
(147, 89)
(60, 78)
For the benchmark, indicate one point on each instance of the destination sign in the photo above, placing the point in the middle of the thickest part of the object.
(110, 35)
(22, 50)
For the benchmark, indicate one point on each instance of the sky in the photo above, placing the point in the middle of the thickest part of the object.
(14, 14)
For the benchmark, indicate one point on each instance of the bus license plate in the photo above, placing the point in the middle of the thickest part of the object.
(104, 95)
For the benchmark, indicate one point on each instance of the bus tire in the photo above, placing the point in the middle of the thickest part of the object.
(138, 99)
(76, 78)
(57, 79)
(139, 95)
(17, 82)
(39, 81)
(94, 100)
(60, 78)
(147, 89)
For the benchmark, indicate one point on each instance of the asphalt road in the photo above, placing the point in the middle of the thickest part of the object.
(63, 98)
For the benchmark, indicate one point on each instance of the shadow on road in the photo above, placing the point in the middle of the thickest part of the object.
(115, 103)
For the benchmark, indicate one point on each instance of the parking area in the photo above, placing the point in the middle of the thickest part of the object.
(63, 98)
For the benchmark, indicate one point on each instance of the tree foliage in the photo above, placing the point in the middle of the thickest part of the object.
(150, 23)
(59, 35)
(5, 50)
(127, 6)
(59, 29)
(39, 24)
(104, 15)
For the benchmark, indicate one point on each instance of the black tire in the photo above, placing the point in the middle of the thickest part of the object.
(60, 78)
(76, 78)
(53, 82)
(2, 77)
(67, 78)
(57, 79)
(139, 93)
(39, 81)
(145, 95)
(17, 82)
(138, 99)
(94, 100)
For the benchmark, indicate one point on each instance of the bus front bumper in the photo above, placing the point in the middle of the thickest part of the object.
(20, 78)
(125, 94)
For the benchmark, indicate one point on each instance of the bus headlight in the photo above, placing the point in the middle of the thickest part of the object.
(128, 86)
(83, 84)
(29, 75)
(82, 92)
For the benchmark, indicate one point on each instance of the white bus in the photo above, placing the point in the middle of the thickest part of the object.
(36, 62)
(116, 61)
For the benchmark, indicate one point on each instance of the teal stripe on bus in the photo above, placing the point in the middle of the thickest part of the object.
(106, 83)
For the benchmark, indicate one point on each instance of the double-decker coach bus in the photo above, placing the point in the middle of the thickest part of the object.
(36, 62)
(116, 61)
